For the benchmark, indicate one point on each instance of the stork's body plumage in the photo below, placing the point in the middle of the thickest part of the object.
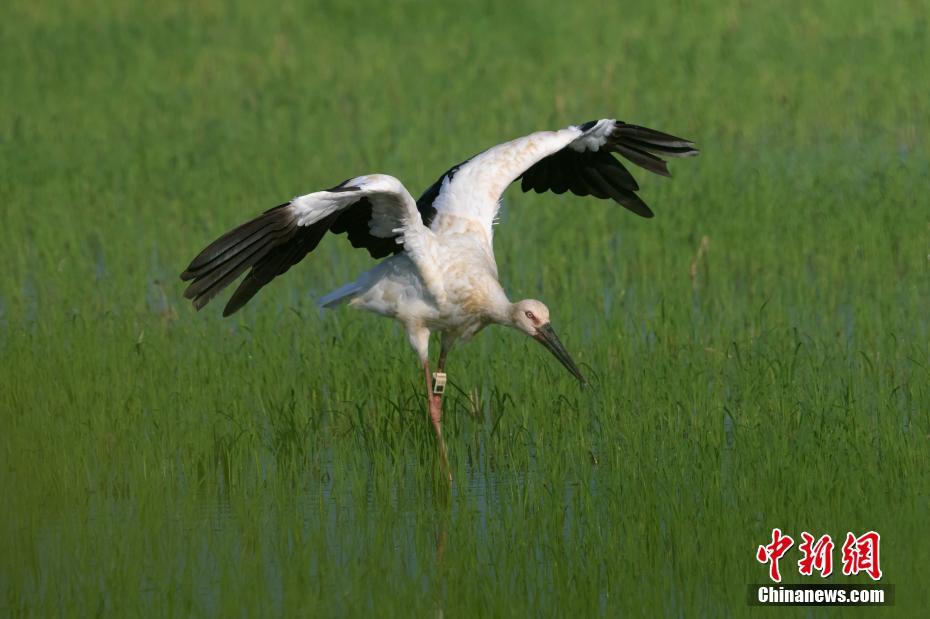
(443, 275)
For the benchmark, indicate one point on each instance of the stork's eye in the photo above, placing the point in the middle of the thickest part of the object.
(530, 315)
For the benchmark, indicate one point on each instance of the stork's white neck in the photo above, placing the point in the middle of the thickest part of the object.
(500, 309)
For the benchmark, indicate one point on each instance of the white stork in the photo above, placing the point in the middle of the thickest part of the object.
(440, 274)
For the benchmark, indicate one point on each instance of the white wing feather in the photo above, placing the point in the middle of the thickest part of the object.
(475, 190)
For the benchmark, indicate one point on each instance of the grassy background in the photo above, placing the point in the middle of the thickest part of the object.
(157, 460)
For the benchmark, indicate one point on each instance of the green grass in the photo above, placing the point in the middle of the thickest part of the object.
(158, 461)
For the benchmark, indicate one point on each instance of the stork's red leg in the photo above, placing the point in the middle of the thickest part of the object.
(435, 415)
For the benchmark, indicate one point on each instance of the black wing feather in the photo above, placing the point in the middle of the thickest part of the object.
(557, 174)
(599, 174)
(614, 173)
(642, 159)
(596, 184)
(230, 255)
(277, 262)
(231, 239)
(271, 244)
(354, 221)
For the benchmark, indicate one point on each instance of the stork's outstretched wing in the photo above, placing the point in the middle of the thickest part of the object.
(578, 159)
(376, 211)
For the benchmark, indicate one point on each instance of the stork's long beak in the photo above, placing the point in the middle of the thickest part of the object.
(547, 337)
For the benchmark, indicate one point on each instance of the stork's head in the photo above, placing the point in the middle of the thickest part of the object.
(532, 317)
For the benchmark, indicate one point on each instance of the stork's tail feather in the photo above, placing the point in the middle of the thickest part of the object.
(340, 295)
(642, 145)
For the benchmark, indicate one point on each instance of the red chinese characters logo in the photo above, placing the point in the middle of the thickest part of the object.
(773, 552)
(860, 554)
(817, 555)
